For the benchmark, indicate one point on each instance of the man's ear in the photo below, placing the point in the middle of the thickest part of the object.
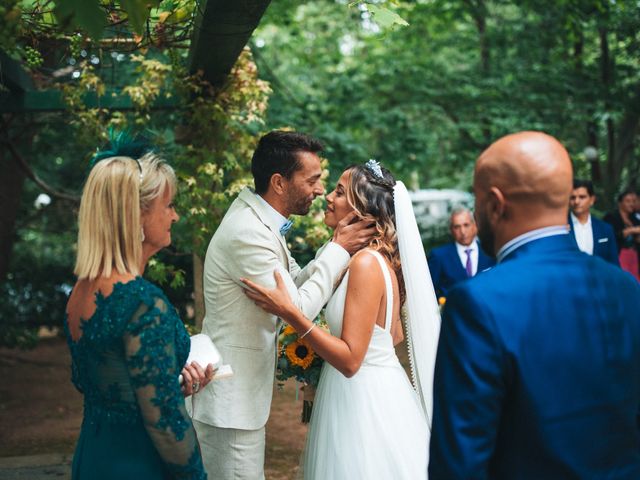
(592, 200)
(277, 183)
(496, 205)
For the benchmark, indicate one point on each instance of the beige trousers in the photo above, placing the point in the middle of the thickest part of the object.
(230, 454)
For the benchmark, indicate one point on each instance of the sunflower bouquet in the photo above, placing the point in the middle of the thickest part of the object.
(297, 359)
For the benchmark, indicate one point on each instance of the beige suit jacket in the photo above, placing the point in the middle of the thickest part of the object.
(249, 245)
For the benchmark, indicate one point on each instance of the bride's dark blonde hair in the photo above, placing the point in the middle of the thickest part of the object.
(372, 196)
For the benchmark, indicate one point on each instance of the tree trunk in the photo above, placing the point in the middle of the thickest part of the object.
(591, 127)
(627, 132)
(198, 290)
(609, 180)
(479, 13)
(11, 185)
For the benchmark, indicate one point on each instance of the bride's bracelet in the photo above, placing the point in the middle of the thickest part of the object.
(313, 325)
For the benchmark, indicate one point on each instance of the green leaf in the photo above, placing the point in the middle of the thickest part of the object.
(138, 12)
(83, 14)
(385, 17)
(286, 340)
(178, 280)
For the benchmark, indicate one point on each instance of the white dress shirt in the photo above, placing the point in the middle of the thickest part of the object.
(583, 233)
(474, 255)
(273, 213)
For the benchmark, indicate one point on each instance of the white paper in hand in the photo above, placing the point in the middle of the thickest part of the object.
(205, 352)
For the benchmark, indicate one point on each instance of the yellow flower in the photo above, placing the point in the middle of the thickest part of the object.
(288, 330)
(300, 353)
(442, 301)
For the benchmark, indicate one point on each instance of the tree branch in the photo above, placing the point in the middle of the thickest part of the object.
(28, 171)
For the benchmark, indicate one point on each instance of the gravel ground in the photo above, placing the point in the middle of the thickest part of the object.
(41, 412)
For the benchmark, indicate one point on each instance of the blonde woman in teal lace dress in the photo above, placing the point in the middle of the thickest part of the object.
(128, 345)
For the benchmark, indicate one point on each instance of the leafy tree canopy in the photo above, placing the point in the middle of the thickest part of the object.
(429, 97)
(421, 85)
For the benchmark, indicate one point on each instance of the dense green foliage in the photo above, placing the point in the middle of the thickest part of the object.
(208, 137)
(429, 97)
(424, 98)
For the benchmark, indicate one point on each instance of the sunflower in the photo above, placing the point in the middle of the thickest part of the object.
(300, 353)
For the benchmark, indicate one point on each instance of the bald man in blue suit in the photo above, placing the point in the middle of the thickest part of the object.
(538, 367)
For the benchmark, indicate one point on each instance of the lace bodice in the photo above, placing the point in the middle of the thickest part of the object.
(127, 362)
(381, 351)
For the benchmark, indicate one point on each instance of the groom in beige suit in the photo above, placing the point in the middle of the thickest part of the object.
(230, 414)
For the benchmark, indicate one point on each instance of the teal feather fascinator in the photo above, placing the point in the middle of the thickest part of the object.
(123, 144)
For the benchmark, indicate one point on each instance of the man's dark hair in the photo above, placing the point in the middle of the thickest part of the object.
(277, 153)
(627, 191)
(588, 184)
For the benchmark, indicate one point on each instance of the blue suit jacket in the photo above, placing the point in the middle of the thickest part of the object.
(604, 241)
(447, 270)
(538, 370)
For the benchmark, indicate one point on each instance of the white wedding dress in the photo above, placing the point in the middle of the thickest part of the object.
(370, 426)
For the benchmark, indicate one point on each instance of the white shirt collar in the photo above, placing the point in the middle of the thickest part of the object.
(530, 236)
(576, 221)
(275, 215)
(583, 234)
(472, 246)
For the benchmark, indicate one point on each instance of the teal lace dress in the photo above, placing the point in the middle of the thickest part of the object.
(126, 364)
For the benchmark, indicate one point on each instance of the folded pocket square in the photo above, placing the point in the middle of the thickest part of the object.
(603, 240)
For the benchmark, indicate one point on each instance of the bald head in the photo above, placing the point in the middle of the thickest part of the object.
(529, 166)
(522, 182)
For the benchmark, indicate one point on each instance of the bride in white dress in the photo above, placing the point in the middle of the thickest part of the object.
(368, 421)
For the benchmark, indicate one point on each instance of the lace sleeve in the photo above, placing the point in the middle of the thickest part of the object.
(150, 350)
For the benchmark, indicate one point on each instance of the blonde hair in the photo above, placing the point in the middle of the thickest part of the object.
(372, 195)
(116, 193)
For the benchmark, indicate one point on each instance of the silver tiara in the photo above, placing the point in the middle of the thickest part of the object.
(374, 167)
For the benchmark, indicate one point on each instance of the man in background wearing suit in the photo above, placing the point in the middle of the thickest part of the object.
(461, 259)
(538, 365)
(592, 236)
(230, 414)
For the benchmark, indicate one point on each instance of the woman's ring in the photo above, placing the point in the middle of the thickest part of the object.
(195, 387)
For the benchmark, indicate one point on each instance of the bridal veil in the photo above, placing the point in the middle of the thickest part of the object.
(422, 314)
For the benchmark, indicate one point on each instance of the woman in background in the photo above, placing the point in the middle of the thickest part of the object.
(626, 227)
(128, 345)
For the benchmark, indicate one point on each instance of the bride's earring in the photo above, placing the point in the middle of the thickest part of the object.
(142, 234)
